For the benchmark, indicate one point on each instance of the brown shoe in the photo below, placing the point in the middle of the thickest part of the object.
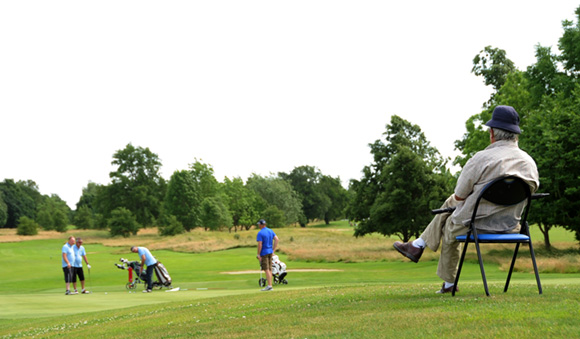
(408, 250)
(449, 289)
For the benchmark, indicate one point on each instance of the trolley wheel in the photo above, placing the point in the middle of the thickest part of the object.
(262, 282)
(130, 286)
(285, 282)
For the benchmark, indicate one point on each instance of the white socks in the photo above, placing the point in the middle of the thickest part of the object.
(447, 285)
(419, 243)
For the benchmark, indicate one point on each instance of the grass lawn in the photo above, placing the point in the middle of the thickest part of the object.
(344, 297)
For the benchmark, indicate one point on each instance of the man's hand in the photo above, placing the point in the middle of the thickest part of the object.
(258, 257)
(89, 266)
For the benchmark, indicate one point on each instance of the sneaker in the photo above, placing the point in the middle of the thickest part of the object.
(75, 292)
(85, 292)
(267, 288)
(147, 291)
(67, 292)
(449, 289)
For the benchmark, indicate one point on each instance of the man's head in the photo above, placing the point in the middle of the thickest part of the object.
(134, 249)
(505, 118)
(71, 240)
(261, 223)
(504, 124)
(79, 242)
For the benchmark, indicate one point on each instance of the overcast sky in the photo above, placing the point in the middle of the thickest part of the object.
(245, 86)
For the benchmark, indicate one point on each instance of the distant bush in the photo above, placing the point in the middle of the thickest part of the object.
(27, 226)
(123, 222)
(171, 226)
(84, 218)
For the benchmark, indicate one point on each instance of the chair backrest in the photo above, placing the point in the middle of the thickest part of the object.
(505, 191)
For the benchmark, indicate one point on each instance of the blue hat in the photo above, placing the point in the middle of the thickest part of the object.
(506, 118)
(262, 222)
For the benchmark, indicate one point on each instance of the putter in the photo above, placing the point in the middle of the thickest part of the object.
(90, 285)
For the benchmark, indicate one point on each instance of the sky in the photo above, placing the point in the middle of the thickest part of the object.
(244, 86)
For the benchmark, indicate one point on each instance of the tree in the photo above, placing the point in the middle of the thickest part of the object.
(215, 214)
(183, 199)
(123, 222)
(274, 217)
(84, 217)
(305, 181)
(88, 196)
(18, 202)
(3, 210)
(493, 65)
(407, 179)
(333, 189)
(136, 184)
(569, 45)
(53, 214)
(243, 202)
(278, 192)
(27, 226)
(171, 227)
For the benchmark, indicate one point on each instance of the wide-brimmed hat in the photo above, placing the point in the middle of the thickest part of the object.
(506, 118)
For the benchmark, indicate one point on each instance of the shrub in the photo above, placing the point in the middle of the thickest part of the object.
(27, 226)
(84, 217)
(171, 226)
(123, 222)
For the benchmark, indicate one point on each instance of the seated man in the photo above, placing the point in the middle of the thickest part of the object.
(502, 158)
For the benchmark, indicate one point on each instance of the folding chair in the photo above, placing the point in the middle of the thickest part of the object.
(505, 191)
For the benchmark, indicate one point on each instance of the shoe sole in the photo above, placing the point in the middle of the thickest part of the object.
(411, 257)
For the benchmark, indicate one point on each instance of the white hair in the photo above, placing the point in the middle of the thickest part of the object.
(501, 134)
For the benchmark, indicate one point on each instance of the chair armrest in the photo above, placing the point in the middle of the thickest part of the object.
(443, 210)
(539, 195)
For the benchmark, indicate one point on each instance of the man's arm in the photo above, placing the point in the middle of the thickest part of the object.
(275, 243)
(259, 249)
(66, 259)
(142, 263)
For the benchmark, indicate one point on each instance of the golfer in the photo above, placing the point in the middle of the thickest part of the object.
(146, 259)
(267, 243)
(68, 257)
(80, 253)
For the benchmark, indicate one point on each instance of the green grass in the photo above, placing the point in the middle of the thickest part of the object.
(363, 299)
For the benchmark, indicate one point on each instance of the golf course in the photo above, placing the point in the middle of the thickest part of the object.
(338, 286)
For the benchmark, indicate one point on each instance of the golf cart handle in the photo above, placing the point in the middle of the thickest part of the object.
(451, 209)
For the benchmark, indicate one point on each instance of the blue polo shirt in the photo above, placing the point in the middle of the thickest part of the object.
(266, 236)
(79, 253)
(149, 258)
(70, 254)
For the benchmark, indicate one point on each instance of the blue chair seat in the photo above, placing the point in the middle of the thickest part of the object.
(516, 237)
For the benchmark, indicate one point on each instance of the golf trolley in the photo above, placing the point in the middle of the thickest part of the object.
(278, 273)
(134, 267)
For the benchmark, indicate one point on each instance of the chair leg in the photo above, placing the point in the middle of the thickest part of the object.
(481, 267)
(535, 266)
(507, 282)
(460, 266)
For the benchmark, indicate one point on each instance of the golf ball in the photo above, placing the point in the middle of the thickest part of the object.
(105, 292)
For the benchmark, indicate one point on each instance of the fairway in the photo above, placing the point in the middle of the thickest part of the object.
(33, 300)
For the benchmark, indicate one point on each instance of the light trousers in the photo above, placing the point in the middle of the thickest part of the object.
(441, 231)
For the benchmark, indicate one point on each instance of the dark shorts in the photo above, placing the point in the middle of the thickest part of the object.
(266, 262)
(79, 272)
(69, 274)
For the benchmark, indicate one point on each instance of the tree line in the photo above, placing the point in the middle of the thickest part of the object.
(407, 177)
(138, 196)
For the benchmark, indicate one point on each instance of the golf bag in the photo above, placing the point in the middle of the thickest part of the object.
(162, 274)
(134, 267)
(278, 273)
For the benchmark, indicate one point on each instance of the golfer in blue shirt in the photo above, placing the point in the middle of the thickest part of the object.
(267, 243)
